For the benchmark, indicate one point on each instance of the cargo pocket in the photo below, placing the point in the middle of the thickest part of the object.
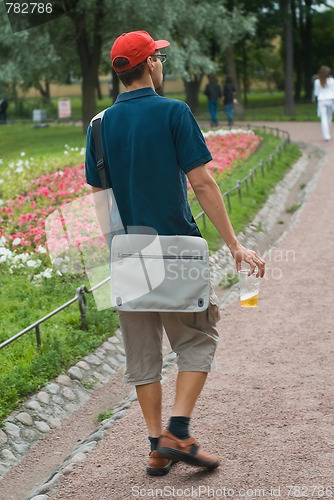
(213, 309)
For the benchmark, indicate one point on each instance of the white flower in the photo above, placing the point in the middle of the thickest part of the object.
(33, 263)
(1, 202)
(23, 257)
(65, 152)
(67, 146)
(23, 154)
(58, 272)
(16, 242)
(5, 251)
(1, 161)
(1, 181)
(41, 249)
(19, 170)
(2, 241)
(19, 163)
(12, 165)
(83, 151)
(45, 274)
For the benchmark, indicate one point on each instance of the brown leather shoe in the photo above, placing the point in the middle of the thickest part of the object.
(186, 450)
(157, 465)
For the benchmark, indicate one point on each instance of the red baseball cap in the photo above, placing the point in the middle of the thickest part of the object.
(136, 46)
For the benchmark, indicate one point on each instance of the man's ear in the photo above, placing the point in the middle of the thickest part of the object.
(150, 62)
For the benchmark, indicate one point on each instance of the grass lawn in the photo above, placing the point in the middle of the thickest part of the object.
(23, 368)
(244, 210)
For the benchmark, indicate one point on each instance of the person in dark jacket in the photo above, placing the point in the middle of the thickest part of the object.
(228, 99)
(213, 93)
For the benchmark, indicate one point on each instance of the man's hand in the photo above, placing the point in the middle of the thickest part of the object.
(242, 254)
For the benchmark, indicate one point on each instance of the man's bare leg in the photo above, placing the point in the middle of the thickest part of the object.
(188, 387)
(150, 400)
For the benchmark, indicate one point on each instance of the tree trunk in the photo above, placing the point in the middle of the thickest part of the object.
(98, 89)
(297, 24)
(44, 91)
(245, 80)
(192, 90)
(232, 72)
(89, 48)
(289, 106)
(307, 44)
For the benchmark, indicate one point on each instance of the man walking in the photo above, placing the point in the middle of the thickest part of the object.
(213, 92)
(151, 146)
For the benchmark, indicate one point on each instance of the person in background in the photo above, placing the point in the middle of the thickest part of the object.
(3, 110)
(213, 93)
(228, 99)
(324, 92)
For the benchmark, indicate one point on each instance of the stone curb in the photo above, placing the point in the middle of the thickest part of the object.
(57, 400)
(79, 453)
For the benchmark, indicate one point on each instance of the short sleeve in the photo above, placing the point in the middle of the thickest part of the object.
(190, 146)
(91, 172)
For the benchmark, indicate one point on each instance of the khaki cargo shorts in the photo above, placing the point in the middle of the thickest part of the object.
(192, 336)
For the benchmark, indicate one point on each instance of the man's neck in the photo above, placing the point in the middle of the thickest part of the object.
(140, 84)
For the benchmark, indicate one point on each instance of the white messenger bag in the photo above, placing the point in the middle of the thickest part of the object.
(159, 273)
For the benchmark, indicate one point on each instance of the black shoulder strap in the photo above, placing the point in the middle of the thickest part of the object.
(96, 127)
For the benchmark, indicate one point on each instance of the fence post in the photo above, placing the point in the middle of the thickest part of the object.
(38, 338)
(82, 306)
(204, 219)
(239, 189)
(251, 172)
(228, 202)
(272, 161)
(262, 167)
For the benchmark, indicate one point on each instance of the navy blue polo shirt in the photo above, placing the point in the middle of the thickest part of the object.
(149, 145)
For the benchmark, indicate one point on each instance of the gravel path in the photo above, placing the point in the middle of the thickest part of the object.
(268, 409)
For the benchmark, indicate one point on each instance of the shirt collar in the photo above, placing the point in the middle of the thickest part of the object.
(135, 94)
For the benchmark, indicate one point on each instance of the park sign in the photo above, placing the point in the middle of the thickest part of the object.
(64, 108)
(23, 15)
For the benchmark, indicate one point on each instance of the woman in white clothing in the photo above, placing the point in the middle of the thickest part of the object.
(324, 91)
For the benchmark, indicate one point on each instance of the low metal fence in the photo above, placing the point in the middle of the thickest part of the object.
(253, 171)
(82, 290)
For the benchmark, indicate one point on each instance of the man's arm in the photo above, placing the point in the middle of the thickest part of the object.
(211, 200)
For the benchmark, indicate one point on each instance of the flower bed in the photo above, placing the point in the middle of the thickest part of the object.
(22, 220)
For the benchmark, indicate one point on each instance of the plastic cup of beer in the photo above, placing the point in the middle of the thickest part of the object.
(249, 288)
